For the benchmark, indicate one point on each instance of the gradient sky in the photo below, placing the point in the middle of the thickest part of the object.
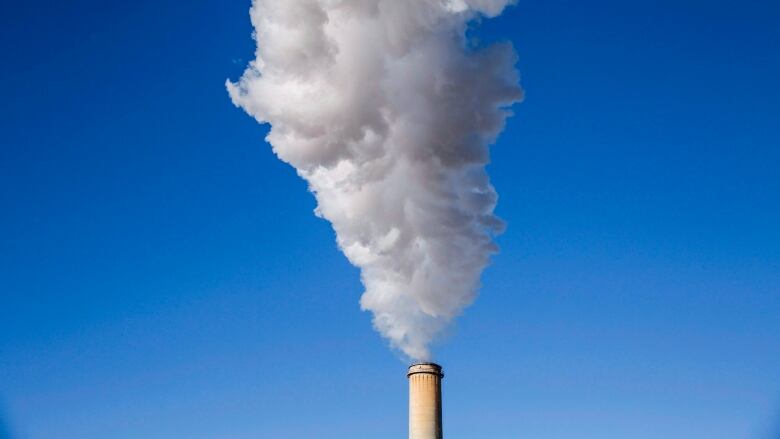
(162, 274)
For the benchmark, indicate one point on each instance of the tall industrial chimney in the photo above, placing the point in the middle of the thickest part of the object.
(425, 401)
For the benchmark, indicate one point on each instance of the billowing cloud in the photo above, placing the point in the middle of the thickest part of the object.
(388, 114)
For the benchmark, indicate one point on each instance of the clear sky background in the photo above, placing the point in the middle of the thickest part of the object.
(162, 274)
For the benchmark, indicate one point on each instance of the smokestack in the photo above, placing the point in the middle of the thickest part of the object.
(425, 401)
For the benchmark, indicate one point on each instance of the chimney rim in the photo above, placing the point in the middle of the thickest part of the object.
(426, 367)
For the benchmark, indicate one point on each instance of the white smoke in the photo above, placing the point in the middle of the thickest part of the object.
(387, 112)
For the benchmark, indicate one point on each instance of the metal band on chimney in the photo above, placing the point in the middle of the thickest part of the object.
(431, 368)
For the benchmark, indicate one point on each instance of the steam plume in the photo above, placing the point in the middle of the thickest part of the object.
(387, 112)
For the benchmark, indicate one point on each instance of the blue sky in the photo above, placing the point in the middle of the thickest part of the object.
(162, 274)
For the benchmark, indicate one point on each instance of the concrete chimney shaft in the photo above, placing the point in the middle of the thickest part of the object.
(425, 401)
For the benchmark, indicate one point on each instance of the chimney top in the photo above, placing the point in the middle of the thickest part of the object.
(429, 368)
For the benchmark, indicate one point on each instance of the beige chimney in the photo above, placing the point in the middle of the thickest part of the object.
(425, 401)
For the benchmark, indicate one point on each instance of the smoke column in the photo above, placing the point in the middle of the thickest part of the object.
(388, 112)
